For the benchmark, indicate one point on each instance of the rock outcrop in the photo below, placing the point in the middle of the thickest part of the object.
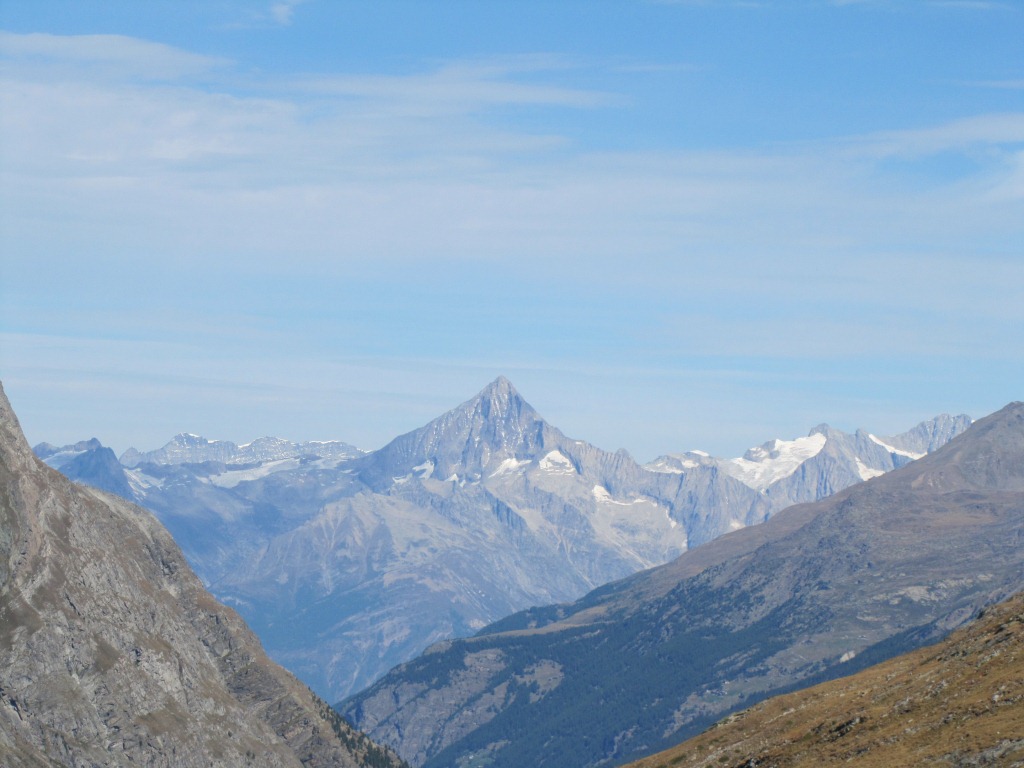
(112, 653)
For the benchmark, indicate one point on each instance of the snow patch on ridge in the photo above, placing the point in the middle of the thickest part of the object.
(141, 482)
(893, 449)
(762, 466)
(601, 494)
(556, 463)
(509, 466)
(232, 478)
(426, 469)
(866, 472)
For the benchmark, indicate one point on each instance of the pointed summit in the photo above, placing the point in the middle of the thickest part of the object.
(500, 387)
(495, 425)
(498, 397)
(498, 404)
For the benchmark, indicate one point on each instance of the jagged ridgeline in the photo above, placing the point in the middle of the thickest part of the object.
(348, 563)
(112, 653)
(818, 591)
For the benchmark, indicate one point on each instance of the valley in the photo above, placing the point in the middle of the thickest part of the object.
(347, 563)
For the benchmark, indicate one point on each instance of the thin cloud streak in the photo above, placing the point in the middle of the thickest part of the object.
(114, 57)
(408, 166)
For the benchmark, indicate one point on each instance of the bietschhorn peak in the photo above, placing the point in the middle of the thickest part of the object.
(499, 389)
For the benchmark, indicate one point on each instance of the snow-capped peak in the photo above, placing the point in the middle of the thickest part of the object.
(766, 464)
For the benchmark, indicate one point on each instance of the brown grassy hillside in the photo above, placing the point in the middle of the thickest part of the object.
(958, 703)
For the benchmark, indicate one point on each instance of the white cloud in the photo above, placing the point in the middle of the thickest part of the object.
(284, 12)
(1005, 130)
(463, 86)
(104, 56)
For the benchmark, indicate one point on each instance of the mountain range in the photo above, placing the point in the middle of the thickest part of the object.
(112, 653)
(347, 563)
(819, 590)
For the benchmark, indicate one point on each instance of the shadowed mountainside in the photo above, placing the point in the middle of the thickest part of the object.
(959, 703)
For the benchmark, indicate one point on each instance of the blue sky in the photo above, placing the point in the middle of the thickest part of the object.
(673, 225)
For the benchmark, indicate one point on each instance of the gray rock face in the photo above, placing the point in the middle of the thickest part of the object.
(89, 463)
(346, 567)
(112, 653)
(818, 591)
(930, 435)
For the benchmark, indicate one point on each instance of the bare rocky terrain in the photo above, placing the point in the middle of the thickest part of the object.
(112, 653)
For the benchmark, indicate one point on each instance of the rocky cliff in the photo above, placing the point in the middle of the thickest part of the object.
(112, 653)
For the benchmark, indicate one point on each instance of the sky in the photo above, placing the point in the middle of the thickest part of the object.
(672, 225)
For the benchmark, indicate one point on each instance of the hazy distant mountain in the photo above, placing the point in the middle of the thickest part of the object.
(819, 590)
(193, 449)
(827, 460)
(347, 564)
(90, 463)
(483, 511)
(112, 653)
(957, 703)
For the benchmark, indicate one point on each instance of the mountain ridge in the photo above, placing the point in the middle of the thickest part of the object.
(495, 425)
(348, 566)
(112, 653)
(188, 448)
(880, 567)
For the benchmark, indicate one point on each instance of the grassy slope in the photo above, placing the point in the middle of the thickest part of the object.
(957, 703)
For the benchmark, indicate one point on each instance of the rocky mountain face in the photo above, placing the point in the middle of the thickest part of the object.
(347, 564)
(817, 591)
(112, 653)
(89, 462)
(959, 703)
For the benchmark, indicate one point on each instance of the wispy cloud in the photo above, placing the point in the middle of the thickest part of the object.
(1003, 85)
(418, 165)
(972, 5)
(275, 197)
(1006, 130)
(284, 12)
(104, 56)
(459, 86)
